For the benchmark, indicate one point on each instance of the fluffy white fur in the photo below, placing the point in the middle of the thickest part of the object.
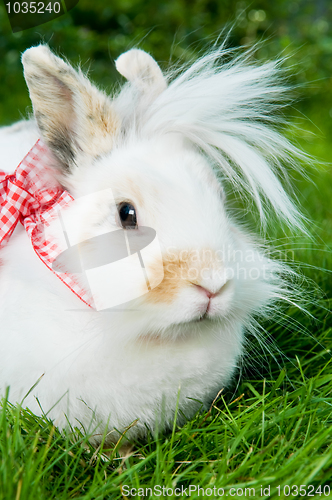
(160, 140)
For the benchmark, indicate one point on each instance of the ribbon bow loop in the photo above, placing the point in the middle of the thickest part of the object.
(23, 194)
(21, 200)
(32, 196)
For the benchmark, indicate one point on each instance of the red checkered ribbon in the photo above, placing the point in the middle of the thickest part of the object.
(30, 197)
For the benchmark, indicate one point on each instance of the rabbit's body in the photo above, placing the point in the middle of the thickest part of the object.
(108, 361)
(184, 338)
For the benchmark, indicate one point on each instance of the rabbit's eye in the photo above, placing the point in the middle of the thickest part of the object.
(127, 214)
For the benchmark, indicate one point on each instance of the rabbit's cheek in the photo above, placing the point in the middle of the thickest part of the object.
(170, 286)
(182, 269)
(194, 286)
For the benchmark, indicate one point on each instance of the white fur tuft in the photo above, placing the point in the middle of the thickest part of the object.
(229, 110)
(141, 70)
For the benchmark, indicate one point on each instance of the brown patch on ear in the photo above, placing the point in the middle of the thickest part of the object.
(62, 145)
(181, 269)
(73, 116)
(101, 125)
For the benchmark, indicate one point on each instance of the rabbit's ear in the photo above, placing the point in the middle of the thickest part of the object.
(141, 70)
(73, 116)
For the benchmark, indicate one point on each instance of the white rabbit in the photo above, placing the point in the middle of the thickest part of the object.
(160, 146)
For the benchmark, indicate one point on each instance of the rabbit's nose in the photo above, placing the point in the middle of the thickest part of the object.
(208, 292)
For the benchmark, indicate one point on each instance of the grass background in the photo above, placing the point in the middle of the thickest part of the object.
(273, 426)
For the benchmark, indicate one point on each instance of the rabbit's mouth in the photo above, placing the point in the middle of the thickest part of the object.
(201, 318)
(214, 303)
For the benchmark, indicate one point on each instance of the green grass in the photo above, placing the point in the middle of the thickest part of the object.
(274, 433)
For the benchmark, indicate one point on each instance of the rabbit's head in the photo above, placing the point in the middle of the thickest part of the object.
(166, 146)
